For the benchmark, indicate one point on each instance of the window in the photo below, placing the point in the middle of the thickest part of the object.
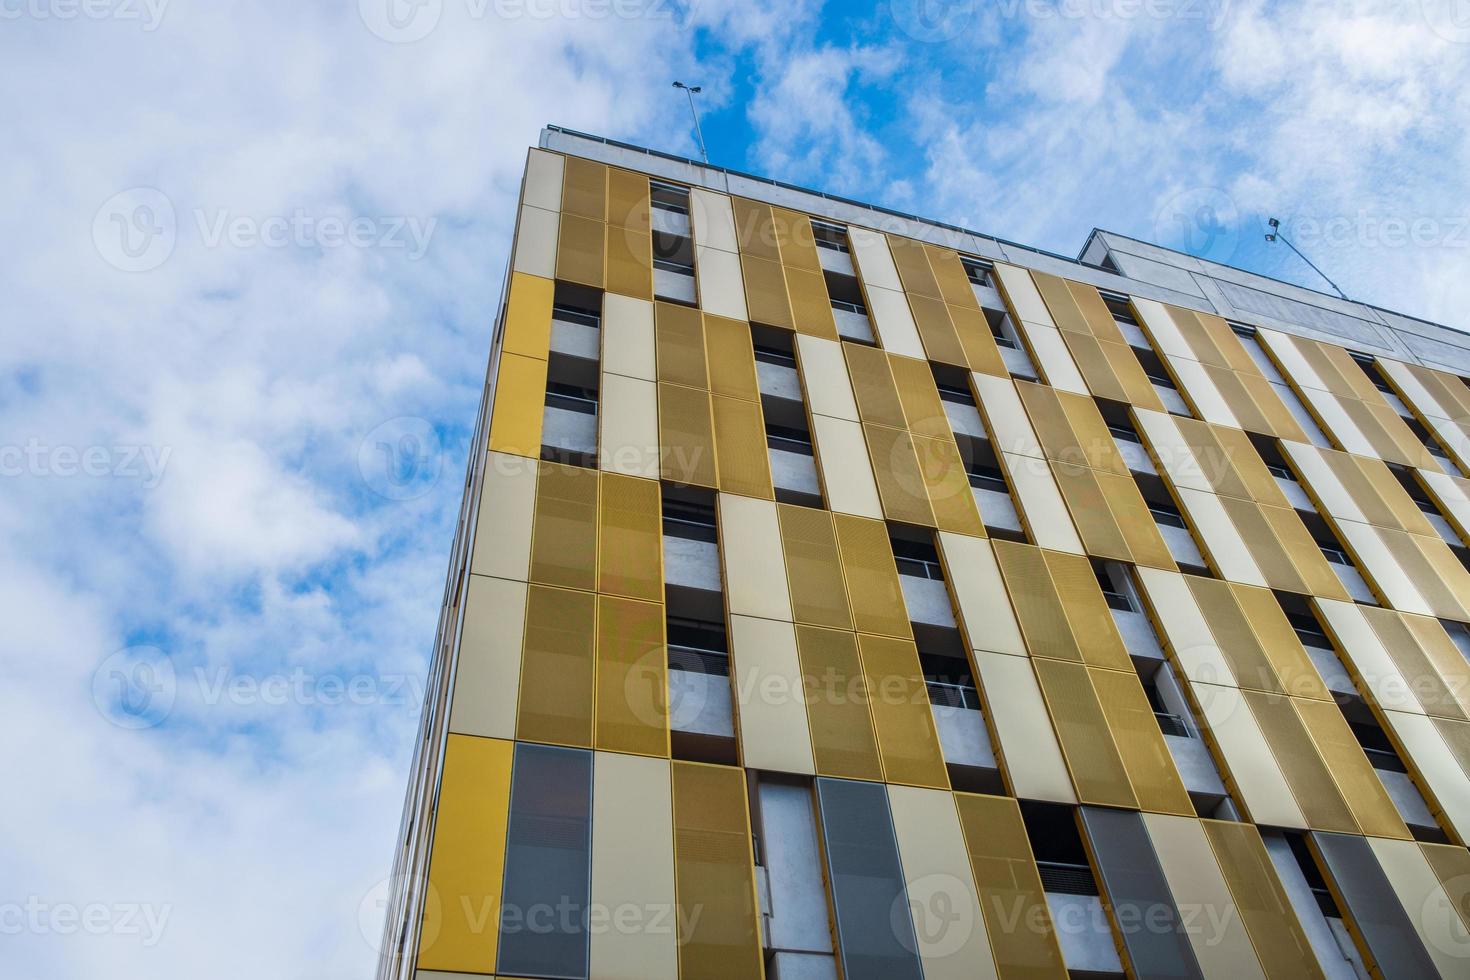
(1162, 380)
(917, 558)
(575, 314)
(674, 265)
(1124, 432)
(1280, 471)
(842, 304)
(1116, 599)
(788, 439)
(1120, 308)
(976, 272)
(830, 236)
(1166, 515)
(1335, 555)
(571, 397)
(999, 330)
(698, 646)
(669, 197)
(956, 394)
(772, 355)
(1243, 331)
(1308, 630)
(691, 521)
(984, 476)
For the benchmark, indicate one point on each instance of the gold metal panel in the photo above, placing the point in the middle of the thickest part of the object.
(679, 335)
(1090, 434)
(1249, 666)
(954, 283)
(1431, 690)
(1042, 508)
(558, 667)
(632, 677)
(686, 436)
(1439, 928)
(630, 538)
(818, 595)
(902, 717)
(1251, 771)
(629, 262)
(1095, 311)
(467, 856)
(1097, 769)
(1305, 772)
(873, 384)
(564, 539)
(730, 357)
(811, 307)
(1019, 291)
(579, 250)
(1145, 544)
(1087, 611)
(981, 352)
(1196, 882)
(1137, 389)
(872, 576)
(1292, 666)
(1399, 509)
(1438, 774)
(1023, 733)
(1259, 484)
(948, 486)
(1305, 556)
(1049, 420)
(1451, 865)
(896, 468)
(1012, 899)
(836, 695)
(755, 227)
(919, 397)
(1135, 731)
(1065, 312)
(1259, 536)
(797, 243)
(1097, 371)
(528, 315)
(936, 330)
(1214, 462)
(520, 402)
(1443, 657)
(1452, 599)
(765, 292)
(714, 873)
(740, 447)
(979, 594)
(584, 188)
(1277, 417)
(1281, 945)
(913, 266)
(1039, 609)
(1090, 512)
(1356, 778)
(628, 200)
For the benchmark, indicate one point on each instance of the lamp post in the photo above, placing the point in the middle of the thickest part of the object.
(690, 91)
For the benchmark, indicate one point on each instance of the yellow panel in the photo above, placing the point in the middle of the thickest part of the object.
(1135, 730)
(837, 704)
(818, 595)
(731, 358)
(1318, 575)
(1026, 744)
(465, 862)
(796, 239)
(528, 315)
(1451, 865)
(1097, 769)
(1089, 507)
(506, 513)
(1049, 420)
(1017, 918)
(1249, 665)
(1087, 611)
(1371, 806)
(1293, 667)
(1430, 688)
(1248, 465)
(1223, 948)
(1038, 607)
(941, 342)
(632, 867)
(627, 200)
(750, 545)
(811, 307)
(557, 668)
(520, 401)
(680, 338)
(913, 265)
(629, 262)
(1252, 773)
(756, 229)
(1444, 658)
(1305, 772)
(1278, 418)
(1146, 546)
(949, 273)
(765, 292)
(901, 714)
(630, 532)
(1062, 304)
(872, 382)
(487, 675)
(981, 352)
(1088, 355)
(872, 576)
(632, 677)
(686, 436)
(919, 396)
(740, 447)
(936, 871)
(948, 486)
(767, 678)
(1136, 387)
(564, 541)
(1269, 543)
(715, 874)
(1280, 943)
(579, 250)
(584, 190)
(896, 468)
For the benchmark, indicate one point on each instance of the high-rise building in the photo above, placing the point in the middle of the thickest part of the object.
(843, 594)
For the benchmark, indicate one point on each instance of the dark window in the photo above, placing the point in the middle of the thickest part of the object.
(1279, 471)
(842, 304)
(1335, 555)
(1115, 599)
(956, 394)
(697, 646)
(833, 237)
(1166, 514)
(976, 273)
(695, 522)
(575, 314)
(1124, 432)
(1162, 380)
(669, 197)
(571, 397)
(986, 477)
(790, 440)
(917, 558)
(674, 265)
(771, 355)
(548, 845)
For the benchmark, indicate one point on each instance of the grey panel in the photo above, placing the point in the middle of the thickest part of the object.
(1382, 921)
(548, 871)
(874, 931)
(1139, 896)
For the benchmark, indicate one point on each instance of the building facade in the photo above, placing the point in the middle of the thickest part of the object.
(842, 594)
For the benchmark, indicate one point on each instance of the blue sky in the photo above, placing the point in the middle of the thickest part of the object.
(254, 257)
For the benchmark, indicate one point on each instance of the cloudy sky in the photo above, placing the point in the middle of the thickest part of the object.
(254, 252)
